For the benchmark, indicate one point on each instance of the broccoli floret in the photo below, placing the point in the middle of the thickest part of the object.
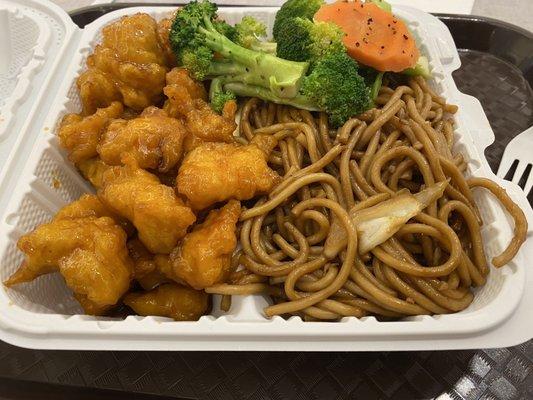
(336, 87)
(251, 34)
(220, 99)
(291, 9)
(219, 96)
(305, 40)
(197, 34)
(197, 62)
(186, 23)
(226, 29)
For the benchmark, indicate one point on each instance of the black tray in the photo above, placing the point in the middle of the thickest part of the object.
(497, 68)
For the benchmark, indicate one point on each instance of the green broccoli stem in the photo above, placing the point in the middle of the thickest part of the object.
(218, 97)
(216, 87)
(267, 47)
(374, 91)
(281, 76)
(217, 68)
(244, 90)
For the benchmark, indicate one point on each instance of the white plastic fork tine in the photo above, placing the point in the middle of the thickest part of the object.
(529, 183)
(505, 165)
(520, 168)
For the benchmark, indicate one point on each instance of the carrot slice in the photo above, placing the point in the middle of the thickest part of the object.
(374, 37)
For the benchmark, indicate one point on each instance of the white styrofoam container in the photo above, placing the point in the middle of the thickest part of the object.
(432, 6)
(43, 313)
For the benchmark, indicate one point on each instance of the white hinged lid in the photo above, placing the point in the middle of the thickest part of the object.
(34, 38)
(448, 6)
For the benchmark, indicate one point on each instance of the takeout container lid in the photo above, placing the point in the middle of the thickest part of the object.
(448, 6)
(43, 53)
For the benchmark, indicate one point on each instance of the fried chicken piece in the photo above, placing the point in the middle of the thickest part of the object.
(204, 257)
(160, 217)
(180, 77)
(97, 89)
(266, 143)
(80, 135)
(129, 65)
(102, 272)
(204, 124)
(129, 113)
(186, 100)
(168, 178)
(170, 300)
(90, 253)
(93, 170)
(153, 139)
(163, 32)
(92, 308)
(145, 269)
(216, 172)
(88, 205)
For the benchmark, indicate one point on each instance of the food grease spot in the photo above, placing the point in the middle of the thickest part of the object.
(56, 182)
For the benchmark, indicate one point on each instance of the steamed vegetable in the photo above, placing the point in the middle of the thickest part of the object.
(251, 34)
(197, 34)
(421, 68)
(291, 9)
(382, 4)
(376, 85)
(219, 96)
(374, 37)
(422, 65)
(333, 85)
(376, 224)
(304, 40)
(336, 87)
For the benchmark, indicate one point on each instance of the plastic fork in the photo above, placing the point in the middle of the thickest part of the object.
(519, 149)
